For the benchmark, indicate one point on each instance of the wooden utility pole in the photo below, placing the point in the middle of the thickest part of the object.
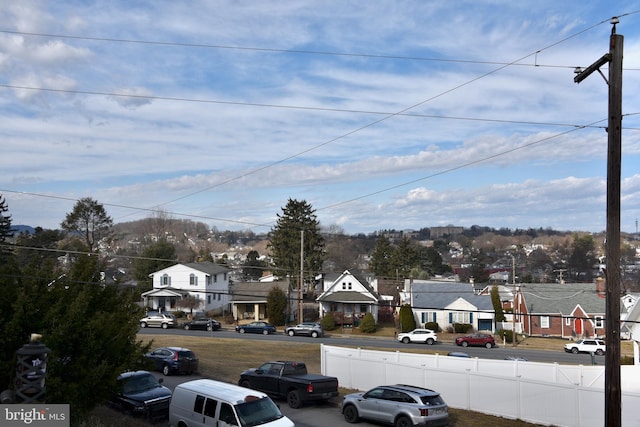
(613, 394)
(300, 305)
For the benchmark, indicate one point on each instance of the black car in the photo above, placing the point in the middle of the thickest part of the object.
(173, 360)
(141, 394)
(256, 328)
(203, 323)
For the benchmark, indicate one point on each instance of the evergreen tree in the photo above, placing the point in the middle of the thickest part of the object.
(407, 321)
(368, 324)
(6, 232)
(253, 267)
(497, 304)
(277, 306)
(89, 219)
(297, 217)
(382, 259)
(155, 257)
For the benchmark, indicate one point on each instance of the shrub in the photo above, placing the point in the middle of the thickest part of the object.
(407, 321)
(433, 326)
(328, 322)
(368, 324)
(507, 334)
(462, 328)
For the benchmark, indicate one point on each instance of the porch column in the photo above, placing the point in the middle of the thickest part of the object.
(256, 311)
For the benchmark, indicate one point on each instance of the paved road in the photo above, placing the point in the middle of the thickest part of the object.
(499, 352)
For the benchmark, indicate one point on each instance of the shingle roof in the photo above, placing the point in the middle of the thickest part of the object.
(562, 298)
(208, 267)
(439, 295)
(255, 291)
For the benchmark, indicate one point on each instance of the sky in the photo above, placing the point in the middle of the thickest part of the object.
(380, 114)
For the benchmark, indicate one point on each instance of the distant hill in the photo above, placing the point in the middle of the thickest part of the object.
(23, 228)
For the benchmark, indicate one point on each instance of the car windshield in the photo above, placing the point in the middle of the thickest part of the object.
(255, 411)
(432, 400)
(139, 383)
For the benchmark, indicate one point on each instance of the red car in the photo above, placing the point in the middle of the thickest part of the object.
(477, 339)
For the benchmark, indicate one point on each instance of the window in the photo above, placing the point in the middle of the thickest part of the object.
(344, 286)
(193, 279)
(599, 322)
(567, 321)
(428, 316)
(208, 280)
(224, 277)
(215, 278)
(227, 415)
(166, 280)
(349, 286)
(545, 322)
(460, 317)
(208, 299)
(210, 408)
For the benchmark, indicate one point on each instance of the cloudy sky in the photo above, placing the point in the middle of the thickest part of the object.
(381, 114)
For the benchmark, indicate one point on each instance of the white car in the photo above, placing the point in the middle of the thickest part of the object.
(586, 346)
(426, 336)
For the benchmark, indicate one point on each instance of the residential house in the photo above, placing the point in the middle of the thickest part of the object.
(349, 297)
(447, 302)
(249, 299)
(207, 282)
(567, 310)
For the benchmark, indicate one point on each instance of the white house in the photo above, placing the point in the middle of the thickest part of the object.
(447, 303)
(205, 281)
(348, 298)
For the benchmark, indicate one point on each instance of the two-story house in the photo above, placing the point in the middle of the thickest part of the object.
(207, 282)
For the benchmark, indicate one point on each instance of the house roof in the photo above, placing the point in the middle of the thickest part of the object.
(206, 267)
(439, 295)
(562, 298)
(349, 297)
(164, 292)
(257, 292)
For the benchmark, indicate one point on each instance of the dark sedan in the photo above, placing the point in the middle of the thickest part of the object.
(170, 360)
(202, 323)
(141, 394)
(256, 328)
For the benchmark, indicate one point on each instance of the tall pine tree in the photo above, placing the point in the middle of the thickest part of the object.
(298, 222)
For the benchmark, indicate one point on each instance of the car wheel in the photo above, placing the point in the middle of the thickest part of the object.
(350, 414)
(166, 371)
(245, 384)
(293, 399)
(599, 352)
(241, 330)
(574, 350)
(464, 344)
(143, 324)
(403, 422)
(165, 326)
(430, 341)
(291, 333)
(488, 345)
(406, 340)
(314, 334)
(265, 332)
(187, 327)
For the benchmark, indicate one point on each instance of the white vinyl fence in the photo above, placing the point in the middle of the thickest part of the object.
(542, 393)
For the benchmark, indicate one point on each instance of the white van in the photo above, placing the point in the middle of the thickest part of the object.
(214, 403)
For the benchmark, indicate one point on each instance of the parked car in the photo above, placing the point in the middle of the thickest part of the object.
(141, 394)
(291, 381)
(256, 328)
(311, 329)
(203, 323)
(477, 339)
(418, 335)
(170, 360)
(162, 320)
(397, 405)
(586, 346)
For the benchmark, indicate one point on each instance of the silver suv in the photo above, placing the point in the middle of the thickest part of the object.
(163, 320)
(398, 405)
(311, 329)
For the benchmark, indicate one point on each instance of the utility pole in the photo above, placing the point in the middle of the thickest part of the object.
(613, 394)
(513, 314)
(300, 307)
